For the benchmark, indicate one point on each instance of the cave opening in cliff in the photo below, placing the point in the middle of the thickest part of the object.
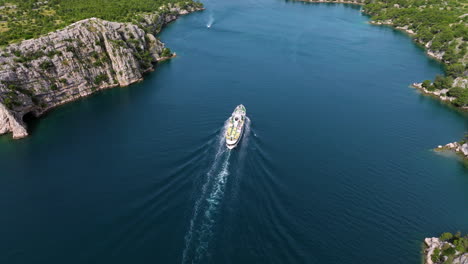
(30, 119)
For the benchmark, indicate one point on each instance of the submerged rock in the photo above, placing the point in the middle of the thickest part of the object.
(89, 55)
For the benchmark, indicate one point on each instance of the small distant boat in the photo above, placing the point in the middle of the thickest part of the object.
(235, 127)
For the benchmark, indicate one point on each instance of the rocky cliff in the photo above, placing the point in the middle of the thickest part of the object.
(87, 56)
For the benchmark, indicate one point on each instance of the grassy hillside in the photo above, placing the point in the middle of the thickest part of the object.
(25, 19)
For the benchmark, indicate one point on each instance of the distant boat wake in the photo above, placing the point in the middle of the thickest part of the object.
(206, 207)
(210, 21)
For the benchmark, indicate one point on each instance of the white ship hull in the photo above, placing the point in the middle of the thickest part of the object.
(230, 144)
(235, 129)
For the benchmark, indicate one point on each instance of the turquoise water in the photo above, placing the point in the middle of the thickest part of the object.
(335, 167)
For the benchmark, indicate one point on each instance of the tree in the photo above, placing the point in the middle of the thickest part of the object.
(442, 82)
(455, 70)
(461, 96)
(449, 251)
(426, 84)
(456, 92)
(446, 236)
(450, 55)
(166, 52)
(435, 257)
(424, 35)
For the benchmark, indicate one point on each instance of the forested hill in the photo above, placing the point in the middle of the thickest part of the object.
(26, 19)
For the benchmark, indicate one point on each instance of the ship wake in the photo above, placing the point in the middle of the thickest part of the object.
(207, 205)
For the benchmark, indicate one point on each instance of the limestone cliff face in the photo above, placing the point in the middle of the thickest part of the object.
(90, 55)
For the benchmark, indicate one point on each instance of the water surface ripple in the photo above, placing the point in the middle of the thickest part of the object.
(336, 165)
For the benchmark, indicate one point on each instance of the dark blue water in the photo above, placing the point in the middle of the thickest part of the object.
(336, 165)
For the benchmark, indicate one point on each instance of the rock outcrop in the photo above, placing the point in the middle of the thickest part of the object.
(461, 148)
(432, 243)
(439, 251)
(441, 94)
(354, 2)
(90, 55)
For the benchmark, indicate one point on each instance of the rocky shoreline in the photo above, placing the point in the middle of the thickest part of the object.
(37, 75)
(446, 249)
(440, 94)
(459, 148)
(355, 2)
(461, 82)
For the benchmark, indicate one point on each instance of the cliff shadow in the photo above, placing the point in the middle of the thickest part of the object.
(31, 122)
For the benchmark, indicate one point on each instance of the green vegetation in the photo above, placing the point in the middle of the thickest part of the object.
(46, 65)
(456, 245)
(442, 22)
(442, 82)
(166, 52)
(101, 78)
(144, 57)
(10, 98)
(25, 19)
(436, 255)
(54, 87)
(461, 96)
(427, 84)
(442, 26)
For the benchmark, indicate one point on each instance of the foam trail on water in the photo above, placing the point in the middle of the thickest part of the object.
(210, 20)
(208, 200)
(243, 149)
(213, 201)
(245, 140)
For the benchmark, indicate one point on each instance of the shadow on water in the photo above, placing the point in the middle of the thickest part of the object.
(31, 121)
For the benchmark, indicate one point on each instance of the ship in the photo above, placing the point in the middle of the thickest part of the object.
(235, 128)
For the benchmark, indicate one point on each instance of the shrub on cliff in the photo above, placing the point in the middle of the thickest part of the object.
(456, 92)
(442, 82)
(53, 87)
(426, 84)
(145, 58)
(451, 55)
(446, 236)
(424, 35)
(461, 100)
(448, 251)
(435, 257)
(46, 65)
(455, 70)
(166, 52)
(101, 78)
